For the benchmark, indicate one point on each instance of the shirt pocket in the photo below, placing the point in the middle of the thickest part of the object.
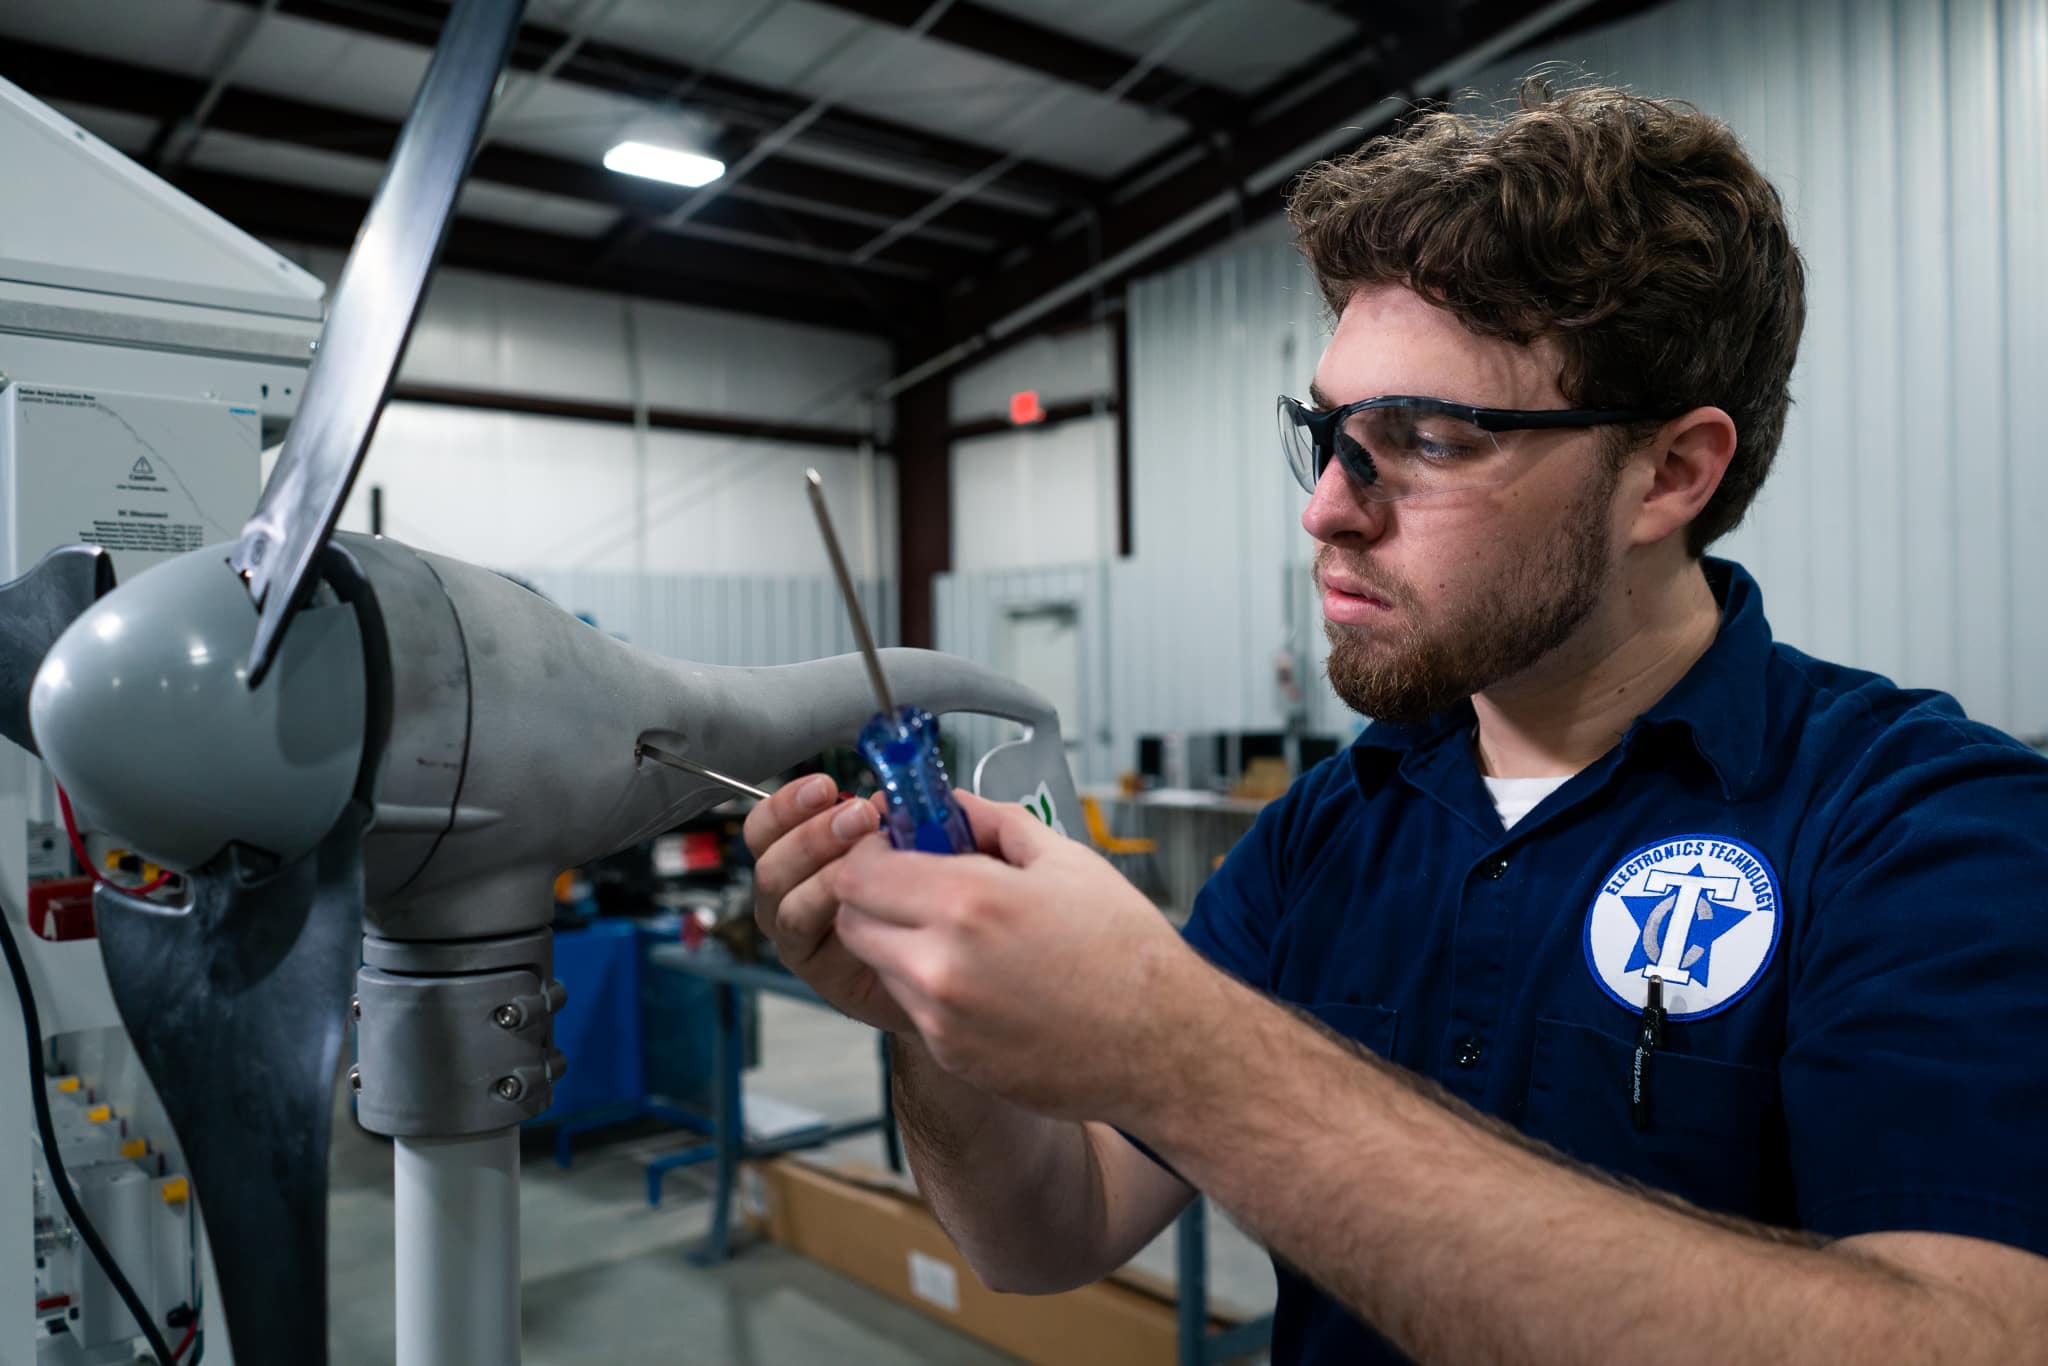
(1370, 1026)
(1716, 1131)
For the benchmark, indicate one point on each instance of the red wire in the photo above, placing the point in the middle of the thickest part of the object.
(85, 859)
(191, 1331)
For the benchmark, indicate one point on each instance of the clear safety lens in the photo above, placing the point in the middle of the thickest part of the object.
(1392, 451)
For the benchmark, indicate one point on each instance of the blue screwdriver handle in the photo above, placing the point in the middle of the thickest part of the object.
(903, 751)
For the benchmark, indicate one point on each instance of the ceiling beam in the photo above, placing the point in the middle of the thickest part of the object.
(1188, 205)
(1062, 56)
(708, 274)
(56, 74)
(68, 76)
(621, 70)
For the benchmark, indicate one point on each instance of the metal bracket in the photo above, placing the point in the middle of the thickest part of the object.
(445, 1052)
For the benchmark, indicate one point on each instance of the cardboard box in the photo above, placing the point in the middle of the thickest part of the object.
(868, 1224)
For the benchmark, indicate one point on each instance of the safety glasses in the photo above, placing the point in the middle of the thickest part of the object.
(1400, 446)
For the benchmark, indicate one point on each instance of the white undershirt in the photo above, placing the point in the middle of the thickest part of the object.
(1515, 798)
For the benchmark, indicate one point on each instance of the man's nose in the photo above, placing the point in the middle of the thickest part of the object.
(1336, 513)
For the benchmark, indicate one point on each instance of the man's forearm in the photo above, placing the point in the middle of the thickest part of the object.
(1463, 1242)
(1019, 1193)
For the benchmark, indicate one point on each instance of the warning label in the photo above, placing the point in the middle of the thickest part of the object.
(146, 476)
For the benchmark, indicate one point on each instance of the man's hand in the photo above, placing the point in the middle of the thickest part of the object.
(794, 834)
(1039, 975)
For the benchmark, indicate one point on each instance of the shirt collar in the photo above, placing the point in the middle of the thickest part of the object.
(1719, 704)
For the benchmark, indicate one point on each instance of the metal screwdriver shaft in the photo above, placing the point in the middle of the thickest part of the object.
(662, 756)
(846, 589)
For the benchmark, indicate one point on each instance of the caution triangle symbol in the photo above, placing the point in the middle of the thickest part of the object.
(142, 467)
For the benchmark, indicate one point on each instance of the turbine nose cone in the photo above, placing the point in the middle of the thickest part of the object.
(143, 711)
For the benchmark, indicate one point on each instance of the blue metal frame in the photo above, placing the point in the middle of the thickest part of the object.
(728, 1148)
(1197, 1345)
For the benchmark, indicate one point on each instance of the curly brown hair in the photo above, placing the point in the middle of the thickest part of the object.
(1635, 231)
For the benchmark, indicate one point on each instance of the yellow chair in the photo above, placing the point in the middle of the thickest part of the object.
(1111, 846)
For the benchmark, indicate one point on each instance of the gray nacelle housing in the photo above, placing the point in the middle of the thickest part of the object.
(547, 778)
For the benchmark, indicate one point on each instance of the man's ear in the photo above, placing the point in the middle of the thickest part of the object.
(1687, 459)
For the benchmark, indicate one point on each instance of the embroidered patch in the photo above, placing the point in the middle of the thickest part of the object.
(1699, 911)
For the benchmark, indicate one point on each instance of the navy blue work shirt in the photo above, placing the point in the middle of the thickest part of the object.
(1840, 884)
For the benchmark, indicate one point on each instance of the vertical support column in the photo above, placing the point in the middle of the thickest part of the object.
(456, 1202)
(924, 504)
(892, 1142)
(729, 1122)
(1120, 351)
(455, 1049)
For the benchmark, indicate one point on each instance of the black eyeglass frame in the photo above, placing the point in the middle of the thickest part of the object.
(1326, 424)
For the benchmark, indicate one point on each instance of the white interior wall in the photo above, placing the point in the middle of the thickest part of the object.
(1910, 142)
(1065, 365)
(694, 545)
(1032, 496)
(1035, 496)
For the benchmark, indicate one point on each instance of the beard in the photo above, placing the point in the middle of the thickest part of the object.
(1428, 662)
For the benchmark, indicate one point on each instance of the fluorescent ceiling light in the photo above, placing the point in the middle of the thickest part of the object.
(663, 163)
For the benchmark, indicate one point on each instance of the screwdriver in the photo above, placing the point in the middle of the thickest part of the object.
(901, 744)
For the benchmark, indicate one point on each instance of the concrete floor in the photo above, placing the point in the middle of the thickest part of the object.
(604, 1276)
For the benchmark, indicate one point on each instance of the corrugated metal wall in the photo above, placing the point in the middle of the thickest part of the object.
(1214, 592)
(1899, 530)
(969, 612)
(720, 619)
(1910, 142)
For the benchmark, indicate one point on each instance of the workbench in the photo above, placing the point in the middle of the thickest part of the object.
(1192, 827)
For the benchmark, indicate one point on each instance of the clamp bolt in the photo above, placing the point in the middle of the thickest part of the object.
(510, 1088)
(355, 1078)
(509, 1016)
(355, 1007)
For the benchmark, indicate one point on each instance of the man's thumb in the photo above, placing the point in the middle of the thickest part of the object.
(1012, 831)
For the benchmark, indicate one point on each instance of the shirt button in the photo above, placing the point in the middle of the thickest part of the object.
(1494, 870)
(1469, 1053)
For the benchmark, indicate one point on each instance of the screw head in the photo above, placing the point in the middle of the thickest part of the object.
(355, 1078)
(355, 1007)
(509, 1016)
(510, 1088)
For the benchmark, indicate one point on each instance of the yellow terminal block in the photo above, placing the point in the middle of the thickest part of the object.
(67, 1084)
(176, 1191)
(135, 1147)
(100, 1114)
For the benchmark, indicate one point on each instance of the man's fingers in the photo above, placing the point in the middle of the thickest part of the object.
(909, 888)
(794, 804)
(894, 952)
(1008, 830)
(803, 921)
(797, 856)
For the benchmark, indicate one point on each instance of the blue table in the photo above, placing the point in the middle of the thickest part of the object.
(728, 1148)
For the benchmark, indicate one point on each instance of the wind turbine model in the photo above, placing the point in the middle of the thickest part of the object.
(360, 754)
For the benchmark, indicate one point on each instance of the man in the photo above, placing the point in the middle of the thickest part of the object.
(1635, 988)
